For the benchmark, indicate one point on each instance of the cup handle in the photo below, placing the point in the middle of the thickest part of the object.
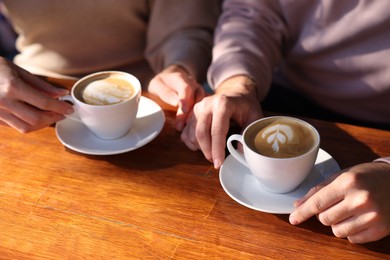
(75, 116)
(236, 154)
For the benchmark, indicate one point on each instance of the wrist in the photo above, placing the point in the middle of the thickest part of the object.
(177, 68)
(240, 85)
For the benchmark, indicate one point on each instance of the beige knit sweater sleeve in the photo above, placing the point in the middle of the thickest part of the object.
(182, 33)
(67, 38)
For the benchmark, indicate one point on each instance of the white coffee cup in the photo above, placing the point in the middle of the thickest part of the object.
(115, 117)
(277, 175)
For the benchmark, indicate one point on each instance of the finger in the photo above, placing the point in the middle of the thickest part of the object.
(315, 189)
(337, 213)
(200, 93)
(33, 116)
(309, 194)
(40, 84)
(186, 103)
(186, 107)
(26, 119)
(368, 235)
(158, 87)
(185, 87)
(188, 133)
(356, 224)
(185, 137)
(186, 94)
(219, 130)
(180, 119)
(39, 100)
(202, 131)
(12, 121)
(321, 200)
(21, 126)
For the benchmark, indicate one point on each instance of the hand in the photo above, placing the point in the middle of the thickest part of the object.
(207, 127)
(28, 103)
(355, 203)
(175, 86)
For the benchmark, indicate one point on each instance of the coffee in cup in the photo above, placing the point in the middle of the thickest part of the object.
(106, 102)
(279, 151)
(284, 138)
(107, 91)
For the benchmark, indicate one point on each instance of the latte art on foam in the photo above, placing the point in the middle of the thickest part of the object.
(278, 135)
(283, 139)
(107, 91)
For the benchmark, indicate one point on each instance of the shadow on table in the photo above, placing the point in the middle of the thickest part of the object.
(381, 246)
(165, 151)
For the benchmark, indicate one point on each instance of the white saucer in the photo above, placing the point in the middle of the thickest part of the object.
(243, 187)
(149, 123)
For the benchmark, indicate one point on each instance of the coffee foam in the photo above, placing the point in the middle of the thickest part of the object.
(107, 91)
(283, 139)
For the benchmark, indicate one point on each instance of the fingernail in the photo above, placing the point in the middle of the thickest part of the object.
(217, 164)
(292, 220)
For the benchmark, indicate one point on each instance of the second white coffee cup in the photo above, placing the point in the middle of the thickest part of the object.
(278, 175)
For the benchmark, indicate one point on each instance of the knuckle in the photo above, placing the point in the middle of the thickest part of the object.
(363, 200)
(315, 189)
(222, 101)
(154, 83)
(350, 180)
(339, 232)
(318, 204)
(325, 219)
(200, 133)
(376, 219)
(198, 107)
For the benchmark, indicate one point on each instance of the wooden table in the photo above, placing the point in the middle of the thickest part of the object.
(161, 201)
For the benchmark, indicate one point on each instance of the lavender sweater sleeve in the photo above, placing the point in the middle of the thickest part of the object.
(334, 53)
(249, 39)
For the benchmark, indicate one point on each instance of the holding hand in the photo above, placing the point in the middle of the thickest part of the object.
(28, 103)
(354, 203)
(206, 129)
(175, 86)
